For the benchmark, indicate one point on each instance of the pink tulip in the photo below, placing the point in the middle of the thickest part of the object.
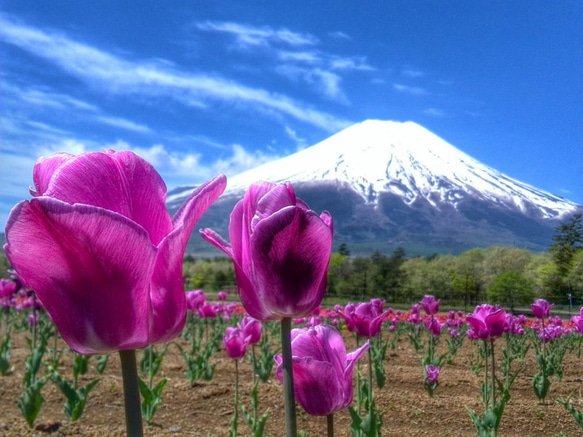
(434, 326)
(195, 299)
(541, 308)
(430, 305)
(222, 295)
(322, 369)
(365, 319)
(99, 248)
(235, 342)
(252, 328)
(486, 322)
(280, 249)
(432, 373)
(578, 322)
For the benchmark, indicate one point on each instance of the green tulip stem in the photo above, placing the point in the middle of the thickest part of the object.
(493, 374)
(236, 385)
(330, 423)
(288, 379)
(131, 393)
(370, 393)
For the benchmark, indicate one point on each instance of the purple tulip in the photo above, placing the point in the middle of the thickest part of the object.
(434, 326)
(322, 369)
(280, 249)
(541, 308)
(235, 342)
(486, 322)
(365, 319)
(432, 373)
(578, 322)
(430, 305)
(207, 311)
(107, 261)
(252, 328)
(222, 295)
(195, 299)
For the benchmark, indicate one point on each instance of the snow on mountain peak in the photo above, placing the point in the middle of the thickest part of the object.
(404, 159)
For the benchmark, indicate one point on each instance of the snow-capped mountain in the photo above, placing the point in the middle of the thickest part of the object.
(401, 184)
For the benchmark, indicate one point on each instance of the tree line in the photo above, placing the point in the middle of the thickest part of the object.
(506, 275)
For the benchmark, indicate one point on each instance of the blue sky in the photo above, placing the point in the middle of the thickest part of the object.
(201, 88)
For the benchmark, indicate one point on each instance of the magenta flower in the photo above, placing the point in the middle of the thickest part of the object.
(222, 295)
(541, 308)
(195, 299)
(280, 249)
(100, 250)
(430, 305)
(365, 319)
(578, 322)
(322, 369)
(432, 373)
(235, 342)
(252, 328)
(486, 322)
(434, 326)
(207, 311)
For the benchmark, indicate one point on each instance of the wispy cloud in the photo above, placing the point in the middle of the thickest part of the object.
(412, 73)
(157, 78)
(411, 90)
(124, 124)
(247, 35)
(434, 112)
(295, 56)
(325, 82)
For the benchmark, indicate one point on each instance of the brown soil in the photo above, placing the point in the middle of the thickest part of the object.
(206, 408)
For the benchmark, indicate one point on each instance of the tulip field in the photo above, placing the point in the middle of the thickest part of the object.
(99, 338)
(197, 395)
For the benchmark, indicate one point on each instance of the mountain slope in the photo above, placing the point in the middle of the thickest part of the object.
(388, 184)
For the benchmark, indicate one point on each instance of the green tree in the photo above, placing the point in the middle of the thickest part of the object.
(511, 289)
(569, 242)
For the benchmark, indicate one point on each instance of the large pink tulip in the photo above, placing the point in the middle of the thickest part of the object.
(99, 248)
(486, 322)
(322, 369)
(280, 249)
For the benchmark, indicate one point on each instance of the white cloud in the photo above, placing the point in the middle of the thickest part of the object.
(411, 90)
(414, 74)
(300, 142)
(434, 112)
(339, 35)
(158, 78)
(247, 35)
(324, 82)
(124, 124)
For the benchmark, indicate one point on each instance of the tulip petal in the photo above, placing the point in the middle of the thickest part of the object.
(317, 387)
(322, 343)
(168, 299)
(292, 252)
(43, 171)
(91, 269)
(240, 221)
(126, 183)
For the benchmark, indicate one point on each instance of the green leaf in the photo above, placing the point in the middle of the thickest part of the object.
(31, 401)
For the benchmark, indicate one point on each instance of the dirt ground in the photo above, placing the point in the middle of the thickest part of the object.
(206, 408)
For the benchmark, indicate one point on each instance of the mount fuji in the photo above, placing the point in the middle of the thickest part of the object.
(390, 184)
